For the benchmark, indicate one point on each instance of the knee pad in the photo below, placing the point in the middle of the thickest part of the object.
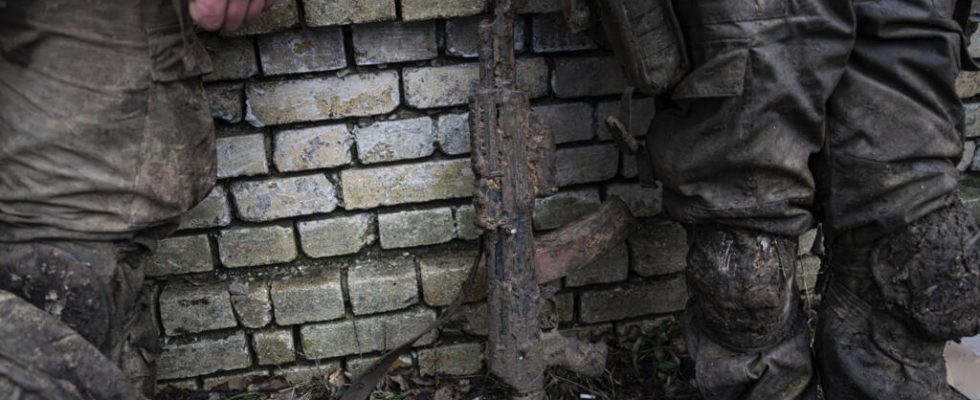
(743, 286)
(929, 273)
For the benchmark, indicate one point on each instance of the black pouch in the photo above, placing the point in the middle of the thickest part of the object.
(645, 35)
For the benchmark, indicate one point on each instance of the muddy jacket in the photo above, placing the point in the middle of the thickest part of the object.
(104, 127)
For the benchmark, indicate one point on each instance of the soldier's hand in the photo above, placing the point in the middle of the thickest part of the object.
(227, 15)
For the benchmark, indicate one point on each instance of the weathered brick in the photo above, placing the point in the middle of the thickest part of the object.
(184, 384)
(191, 309)
(300, 374)
(416, 227)
(466, 228)
(564, 207)
(343, 12)
(412, 183)
(658, 248)
(282, 15)
(463, 36)
(453, 133)
(212, 211)
(972, 126)
(202, 356)
(336, 236)
(378, 285)
(968, 84)
(569, 122)
(550, 33)
(308, 50)
(251, 303)
(565, 303)
(642, 109)
(414, 10)
(969, 151)
(284, 197)
(245, 247)
(443, 275)
(449, 85)
(357, 365)
(470, 319)
(392, 42)
(241, 156)
(456, 359)
(969, 193)
(308, 298)
(316, 99)
(629, 169)
(587, 76)
(180, 255)
(383, 332)
(974, 48)
(274, 347)
(808, 242)
(587, 164)
(611, 267)
(539, 6)
(313, 148)
(633, 300)
(809, 268)
(226, 101)
(232, 58)
(643, 201)
(395, 140)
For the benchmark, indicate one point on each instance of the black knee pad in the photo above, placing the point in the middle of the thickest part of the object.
(742, 285)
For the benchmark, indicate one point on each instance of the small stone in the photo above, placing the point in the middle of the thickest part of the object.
(411, 183)
(393, 42)
(274, 347)
(344, 12)
(587, 76)
(336, 236)
(454, 133)
(382, 285)
(180, 255)
(395, 140)
(564, 207)
(416, 228)
(244, 247)
(309, 298)
(192, 309)
(213, 211)
(203, 355)
(658, 248)
(444, 274)
(284, 197)
(308, 50)
(313, 148)
(253, 307)
(457, 359)
(317, 99)
(634, 300)
(241, 156)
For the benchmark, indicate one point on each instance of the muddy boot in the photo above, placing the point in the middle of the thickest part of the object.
(93, 288)
(43, 359)
(890, 307)
(745, 330)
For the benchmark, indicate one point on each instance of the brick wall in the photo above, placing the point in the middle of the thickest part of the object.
(341, 223)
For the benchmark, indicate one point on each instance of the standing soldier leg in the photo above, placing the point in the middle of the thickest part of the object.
(904, 260)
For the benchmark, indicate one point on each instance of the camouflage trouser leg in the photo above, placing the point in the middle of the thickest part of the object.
(96, 290)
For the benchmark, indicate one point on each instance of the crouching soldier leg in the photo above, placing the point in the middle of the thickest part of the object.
(94, 288)
(744, 328)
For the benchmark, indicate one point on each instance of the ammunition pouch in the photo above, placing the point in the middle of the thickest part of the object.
(645, 35)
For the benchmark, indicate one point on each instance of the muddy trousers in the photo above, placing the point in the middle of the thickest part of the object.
(796, 112)
(88, 291)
